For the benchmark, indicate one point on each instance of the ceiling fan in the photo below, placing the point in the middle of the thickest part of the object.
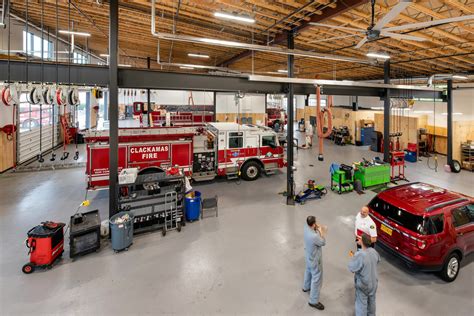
(377, 30)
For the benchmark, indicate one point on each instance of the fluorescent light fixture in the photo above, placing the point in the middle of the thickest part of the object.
(274, 73)
(124, 65)
(460, 77)
(233, 17)
(219, 42)
(423, 112)
(198, 55)
(378, 55)
(186, 67)
(283, 71)
(74, 33)
(454, 113)
(376, 107)
(104, 55)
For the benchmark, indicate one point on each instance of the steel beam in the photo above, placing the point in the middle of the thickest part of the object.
(450, 122)
(113, 107)
(88, 75)
(290, 188)
(386, 113)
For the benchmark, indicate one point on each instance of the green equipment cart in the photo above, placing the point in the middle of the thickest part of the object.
(342, 179)
(372, 175)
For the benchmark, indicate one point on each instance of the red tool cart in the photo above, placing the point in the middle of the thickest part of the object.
(397, 164)
(45, 244)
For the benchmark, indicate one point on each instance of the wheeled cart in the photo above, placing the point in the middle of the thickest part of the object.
(45, 245)
(156, 201)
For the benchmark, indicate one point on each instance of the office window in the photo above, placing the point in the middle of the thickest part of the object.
(34, 46)
(79, 58)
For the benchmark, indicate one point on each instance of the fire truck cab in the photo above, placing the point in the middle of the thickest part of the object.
(201, 152)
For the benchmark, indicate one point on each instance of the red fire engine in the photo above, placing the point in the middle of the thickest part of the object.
(216, 149)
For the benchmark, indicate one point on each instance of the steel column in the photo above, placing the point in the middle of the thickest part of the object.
(148, 98)
(450, 122)
(290, 128)
(214, 103)
(386, 113)
(88, 109)
(355, 104)
(113, 106)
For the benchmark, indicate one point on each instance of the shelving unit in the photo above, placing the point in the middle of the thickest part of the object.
(156, 200)
(467, 156)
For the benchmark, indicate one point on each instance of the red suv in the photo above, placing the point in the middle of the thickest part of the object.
(428, 227)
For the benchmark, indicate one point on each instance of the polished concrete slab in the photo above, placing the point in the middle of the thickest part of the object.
(249, 260)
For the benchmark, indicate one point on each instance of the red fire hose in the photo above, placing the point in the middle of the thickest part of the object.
(320, 120)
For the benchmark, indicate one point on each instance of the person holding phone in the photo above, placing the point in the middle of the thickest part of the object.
(314, 240)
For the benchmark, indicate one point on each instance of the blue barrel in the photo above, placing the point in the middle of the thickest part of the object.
(121, 233)
(192, 205)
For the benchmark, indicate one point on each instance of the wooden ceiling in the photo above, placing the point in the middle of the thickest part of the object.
(448, 48)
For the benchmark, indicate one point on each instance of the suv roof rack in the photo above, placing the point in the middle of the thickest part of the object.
(433, 207)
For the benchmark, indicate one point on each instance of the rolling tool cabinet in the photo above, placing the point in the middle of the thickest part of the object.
(156, 201)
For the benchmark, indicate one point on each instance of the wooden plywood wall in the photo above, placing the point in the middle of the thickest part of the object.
(351, 119)
(6, 153)
(463, 131)
(407, 125)
(232, 117)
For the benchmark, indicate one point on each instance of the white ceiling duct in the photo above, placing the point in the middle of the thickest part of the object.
(344, 83)
(254, 47)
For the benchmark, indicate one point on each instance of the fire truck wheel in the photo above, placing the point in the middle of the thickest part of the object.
(28, 268)
(251, 171)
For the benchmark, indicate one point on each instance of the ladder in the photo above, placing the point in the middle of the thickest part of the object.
(68, 139)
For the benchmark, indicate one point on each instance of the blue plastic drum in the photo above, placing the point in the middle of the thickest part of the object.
(192, 205)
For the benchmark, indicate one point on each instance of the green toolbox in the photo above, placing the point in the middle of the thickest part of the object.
(372, 175)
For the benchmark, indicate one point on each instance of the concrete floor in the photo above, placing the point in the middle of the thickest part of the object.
(249, 260)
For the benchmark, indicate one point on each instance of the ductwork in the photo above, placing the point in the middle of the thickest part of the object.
(240, 45)
(5, 9)
(440, 77)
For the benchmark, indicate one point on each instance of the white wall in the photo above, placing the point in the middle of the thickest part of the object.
(463, 102)
(166, 97)
(16, 40)
(251, 103)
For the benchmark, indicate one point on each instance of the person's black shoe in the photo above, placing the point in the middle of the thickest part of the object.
(305, 290)
(317, 306)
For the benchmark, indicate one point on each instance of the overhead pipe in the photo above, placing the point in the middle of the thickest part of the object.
(254, 47)
(320, 120)
(5, 5)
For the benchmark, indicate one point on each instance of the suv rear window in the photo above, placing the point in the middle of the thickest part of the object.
(419, 224)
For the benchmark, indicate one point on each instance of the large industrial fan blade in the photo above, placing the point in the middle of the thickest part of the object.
(361, 43)
(429, 23)
(402, 36)
(396, 10)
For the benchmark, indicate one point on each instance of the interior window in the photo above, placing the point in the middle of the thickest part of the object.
(236, 139)
(462, 215)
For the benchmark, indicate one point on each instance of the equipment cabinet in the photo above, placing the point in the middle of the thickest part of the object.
(156, 200)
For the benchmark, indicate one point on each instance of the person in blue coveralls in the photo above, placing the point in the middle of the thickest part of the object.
(314, 240)
(364, 266)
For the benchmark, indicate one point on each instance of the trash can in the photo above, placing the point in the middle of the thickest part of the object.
(121, 230)
(192, 205)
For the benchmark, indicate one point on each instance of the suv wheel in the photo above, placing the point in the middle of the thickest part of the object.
(451, 268)
(251, 171)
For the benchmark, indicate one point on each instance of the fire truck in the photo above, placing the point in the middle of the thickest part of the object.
(201, 152)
